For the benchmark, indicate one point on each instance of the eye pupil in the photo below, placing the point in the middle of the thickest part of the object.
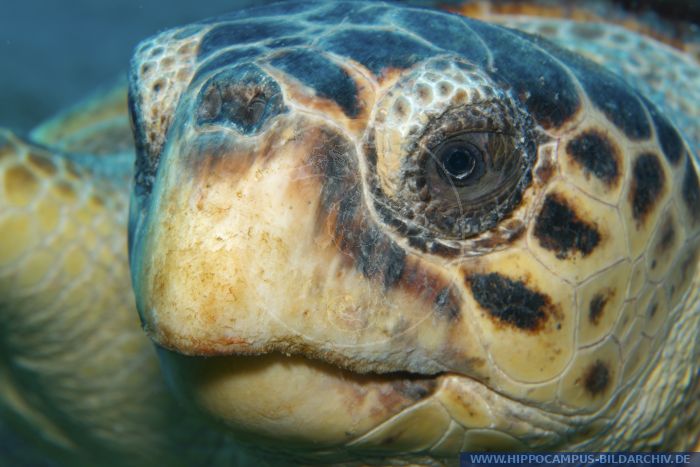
(461, 163)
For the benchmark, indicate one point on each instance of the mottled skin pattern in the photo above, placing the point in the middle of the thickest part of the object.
(295, 213)
(65, 280)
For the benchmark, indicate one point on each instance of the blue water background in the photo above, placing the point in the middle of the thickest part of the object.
(54, 52)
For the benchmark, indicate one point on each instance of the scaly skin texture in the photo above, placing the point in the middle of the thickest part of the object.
(249, 248)
(663, 74)
(76, 372)
(672, 80)
(63, 269)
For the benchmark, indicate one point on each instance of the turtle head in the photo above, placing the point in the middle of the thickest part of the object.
(393, 241)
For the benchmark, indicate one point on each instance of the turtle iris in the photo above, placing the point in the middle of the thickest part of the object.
(472, 171)
(460, 162)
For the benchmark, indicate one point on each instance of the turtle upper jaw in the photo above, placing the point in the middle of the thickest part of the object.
(239, 254)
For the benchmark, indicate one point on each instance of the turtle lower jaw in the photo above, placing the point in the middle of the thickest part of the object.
(292, 399)
(312, 409)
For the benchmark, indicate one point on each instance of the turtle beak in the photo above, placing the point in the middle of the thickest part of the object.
(242, 253)
(249, 232)
(236, 263)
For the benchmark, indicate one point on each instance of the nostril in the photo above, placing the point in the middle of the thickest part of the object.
(255, 110)
(243, 98)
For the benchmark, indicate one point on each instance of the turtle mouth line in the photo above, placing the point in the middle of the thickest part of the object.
(366, 364)
(347, 367)
(374, 375)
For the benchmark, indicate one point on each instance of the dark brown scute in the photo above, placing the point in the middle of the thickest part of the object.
(648, 182)
(597, 378)
(691, 191)
(611, 95)
(669, 139)
(532, 73)
(450, 33)
(608, 92)
(509, 301)
(227, 35)
(377, 256)
(597, 154)
(597, 306)
(559, 229)
(326, 78)
(398, 50)
(668, 235)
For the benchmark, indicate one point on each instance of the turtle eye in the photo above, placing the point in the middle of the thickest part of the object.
(468, 176)
(460, 162)
(471, 168)
(450, 154)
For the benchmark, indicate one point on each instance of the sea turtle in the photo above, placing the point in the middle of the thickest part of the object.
(359, 232)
